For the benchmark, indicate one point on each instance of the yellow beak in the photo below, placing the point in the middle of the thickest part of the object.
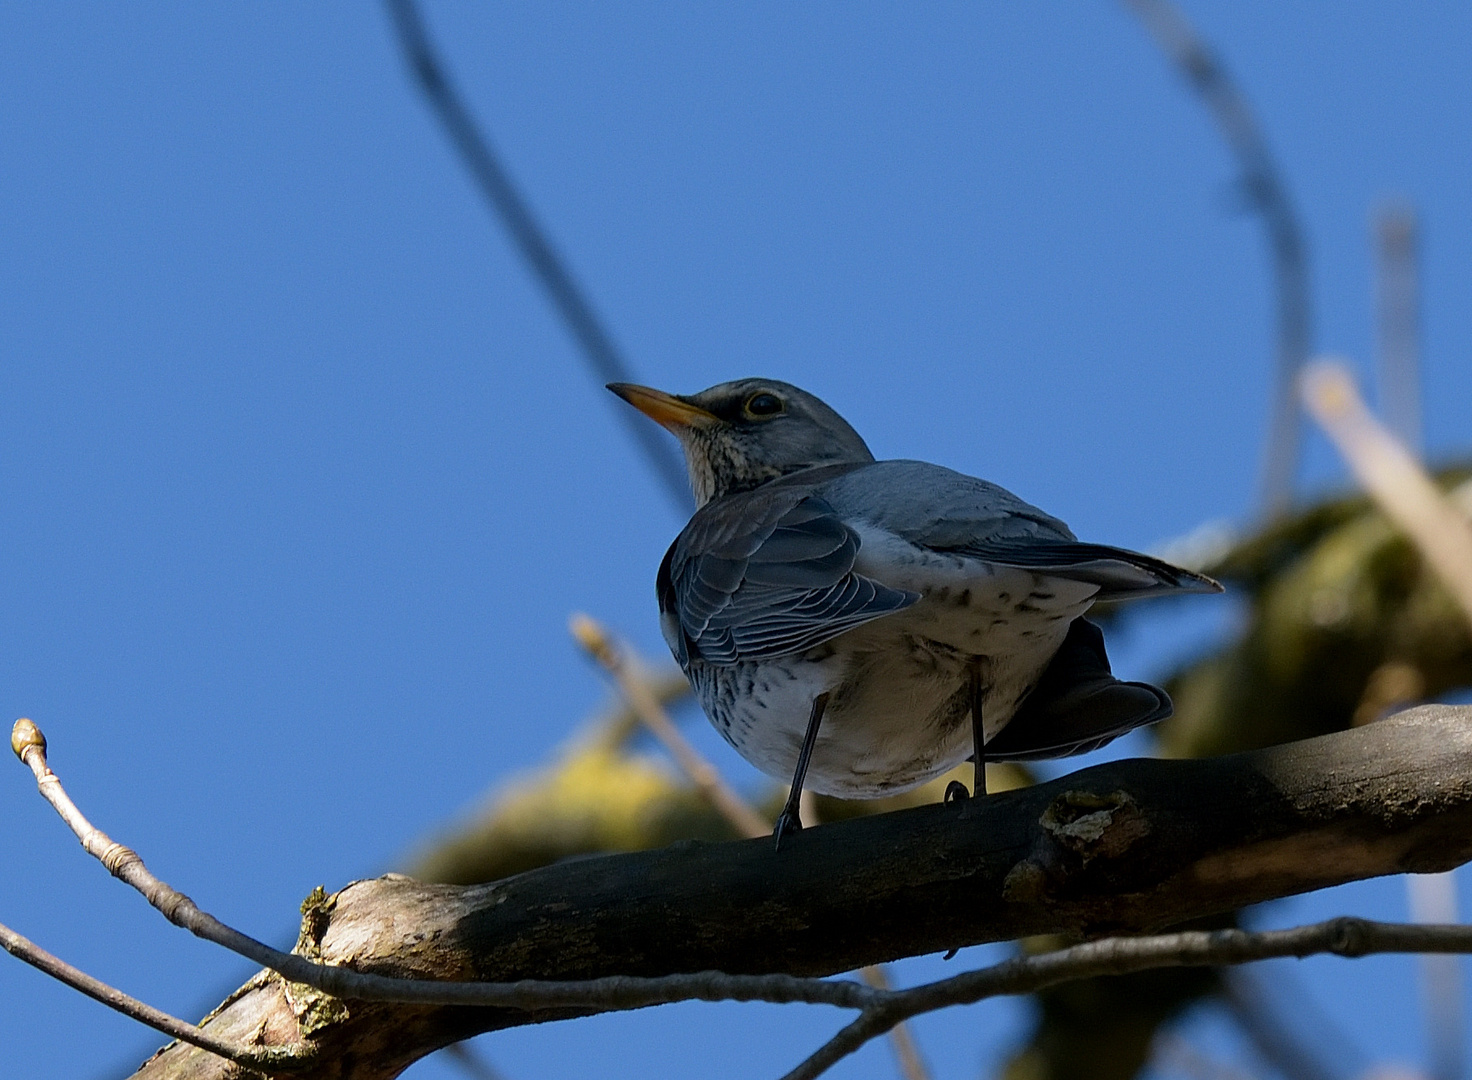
(666, 410)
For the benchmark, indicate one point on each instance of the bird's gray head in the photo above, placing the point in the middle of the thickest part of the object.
(738, 435)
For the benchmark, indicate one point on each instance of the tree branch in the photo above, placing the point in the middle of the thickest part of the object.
(1126, 846)
(280, 1058)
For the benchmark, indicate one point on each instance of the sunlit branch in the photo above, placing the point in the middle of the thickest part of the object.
(1393, 477)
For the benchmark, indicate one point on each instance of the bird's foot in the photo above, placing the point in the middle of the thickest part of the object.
(955, 792)
(787, 822)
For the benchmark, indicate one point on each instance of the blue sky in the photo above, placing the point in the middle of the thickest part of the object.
(300, 479)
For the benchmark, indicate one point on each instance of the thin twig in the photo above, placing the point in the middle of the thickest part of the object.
(611, 992)
(613, 726)
(1264, 188)
(531, 240)
(1393, 477)
(880, 1010)
(1344, 936)
(278, 1058)
(906, 1052)
(627, 672)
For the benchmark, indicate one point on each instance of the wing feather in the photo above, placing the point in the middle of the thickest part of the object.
(1119, 573)
(943, 510)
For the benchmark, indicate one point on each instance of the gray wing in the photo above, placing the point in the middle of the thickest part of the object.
(943, 510)
(1119, 573)
(765, 574)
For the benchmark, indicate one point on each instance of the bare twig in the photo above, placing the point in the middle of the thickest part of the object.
(531, 240)
(906, 1052)
(1344, 936)
(123, 863)
(616, 992)
(627, 672)
(1394, 479)
(1264, 188)
(636, 691)
(616, 724)
(279, 1058)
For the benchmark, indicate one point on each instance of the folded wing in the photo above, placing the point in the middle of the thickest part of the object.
(765, 574)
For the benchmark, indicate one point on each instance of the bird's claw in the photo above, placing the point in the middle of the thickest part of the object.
(955, 792)
(787, 822)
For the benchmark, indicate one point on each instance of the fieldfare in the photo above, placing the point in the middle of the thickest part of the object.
(864, 626)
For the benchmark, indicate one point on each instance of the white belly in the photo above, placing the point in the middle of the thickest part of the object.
(899, 707)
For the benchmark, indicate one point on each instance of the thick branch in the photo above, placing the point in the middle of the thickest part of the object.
(1127, 846)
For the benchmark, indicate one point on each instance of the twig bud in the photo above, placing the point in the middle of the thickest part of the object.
(24, 736)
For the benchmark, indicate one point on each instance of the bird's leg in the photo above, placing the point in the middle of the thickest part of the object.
(978, 742)
(790, 820)
(955, 789)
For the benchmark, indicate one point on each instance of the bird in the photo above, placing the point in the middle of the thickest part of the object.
(864, 626)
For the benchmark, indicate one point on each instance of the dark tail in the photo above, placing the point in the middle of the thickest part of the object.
(1077, 705)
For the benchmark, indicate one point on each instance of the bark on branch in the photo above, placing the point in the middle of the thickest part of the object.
(1127, 846)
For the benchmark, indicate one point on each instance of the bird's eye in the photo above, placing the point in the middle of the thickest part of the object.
(764, 405)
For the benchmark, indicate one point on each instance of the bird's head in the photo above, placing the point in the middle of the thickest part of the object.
(738, 435)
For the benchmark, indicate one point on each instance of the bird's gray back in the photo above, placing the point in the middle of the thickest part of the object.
(935, 506)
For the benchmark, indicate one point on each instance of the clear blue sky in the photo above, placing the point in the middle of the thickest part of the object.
(300, 479)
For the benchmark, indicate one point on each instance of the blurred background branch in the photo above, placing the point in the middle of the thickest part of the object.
(1398, 320)
(1394, 479)
(531, 241)
(626, 669)
(1262, 185)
